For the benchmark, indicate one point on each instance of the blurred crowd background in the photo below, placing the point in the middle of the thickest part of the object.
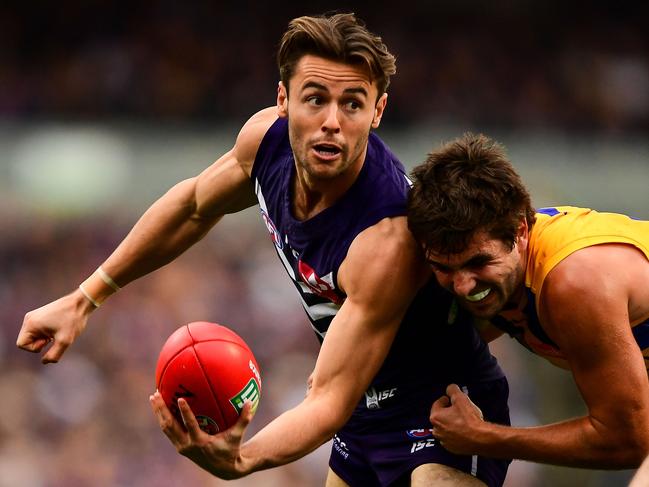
(104, 105)
(576, 65)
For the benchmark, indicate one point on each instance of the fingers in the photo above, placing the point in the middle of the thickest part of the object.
(455, 394)
(31, 344)
(191, 423)
(453, 390)
(168, 424)
(30, 338)
(55, 353)
(239, 428)
(442, 403)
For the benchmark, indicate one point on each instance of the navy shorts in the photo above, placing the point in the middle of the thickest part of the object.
(380, 448)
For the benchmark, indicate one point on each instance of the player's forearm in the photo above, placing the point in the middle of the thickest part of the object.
(168, 228)
(574, 443)
(291, 436)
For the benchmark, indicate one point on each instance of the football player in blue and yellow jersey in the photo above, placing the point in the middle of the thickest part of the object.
(570, 284)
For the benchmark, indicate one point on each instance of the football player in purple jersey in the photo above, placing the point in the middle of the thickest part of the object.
(334, 200)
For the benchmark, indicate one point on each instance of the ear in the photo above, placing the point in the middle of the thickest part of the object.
(378, 110)
(282, 100)
(523, 235)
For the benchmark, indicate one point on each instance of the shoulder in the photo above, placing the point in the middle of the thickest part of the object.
(388, 238)
(597, 266)
(596, 276)
(251, 135)
(386, 253)
(576, 272)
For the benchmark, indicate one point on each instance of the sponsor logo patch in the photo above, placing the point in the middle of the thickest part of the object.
(272, 230)
(374, 398)
(322, 286)
(420, 433)
(421, 444)
(250, 392)
(424, 437)
(341, 447)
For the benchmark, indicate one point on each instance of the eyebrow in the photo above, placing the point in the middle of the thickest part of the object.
(475, 260)
(355, 90)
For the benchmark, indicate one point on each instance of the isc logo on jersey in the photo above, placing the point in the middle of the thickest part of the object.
(374, 398)
(272, 230)
(423, 437)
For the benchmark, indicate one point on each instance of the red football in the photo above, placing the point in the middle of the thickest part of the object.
(213, 369)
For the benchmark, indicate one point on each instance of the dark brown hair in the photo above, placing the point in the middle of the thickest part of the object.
(338, 37)
(465, 186)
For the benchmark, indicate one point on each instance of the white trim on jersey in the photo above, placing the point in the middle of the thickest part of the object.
(315, 311)
(282, 257)
(474, 458)
(320, 310)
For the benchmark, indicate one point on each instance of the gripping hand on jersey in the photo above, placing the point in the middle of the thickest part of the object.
(456, 420)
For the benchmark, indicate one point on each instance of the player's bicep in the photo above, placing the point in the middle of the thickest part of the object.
(589, 321)
(225, 187)
(384, 269)
(381, 274)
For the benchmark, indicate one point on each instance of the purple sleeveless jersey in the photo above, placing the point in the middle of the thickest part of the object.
(436, 343)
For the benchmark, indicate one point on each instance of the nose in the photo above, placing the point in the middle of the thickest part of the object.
(463, 283)
(331, 122)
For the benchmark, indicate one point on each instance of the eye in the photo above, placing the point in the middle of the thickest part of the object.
(479, 262)
(353, 105)
(314, 100)
(437, 267)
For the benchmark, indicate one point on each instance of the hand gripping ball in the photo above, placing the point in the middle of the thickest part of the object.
(213, 369)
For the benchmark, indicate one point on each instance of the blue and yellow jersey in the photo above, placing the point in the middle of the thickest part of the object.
(557, 233)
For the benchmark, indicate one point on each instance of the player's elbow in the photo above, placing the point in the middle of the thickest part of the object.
(332, 414)
(638, 447)
(629, 447)
(630, 455)
(336, 419)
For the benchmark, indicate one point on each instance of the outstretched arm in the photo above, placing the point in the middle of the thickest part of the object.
(585, 310)
(170, 226)
(381, 274)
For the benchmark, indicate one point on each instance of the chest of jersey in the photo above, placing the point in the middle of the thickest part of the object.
(313, 250)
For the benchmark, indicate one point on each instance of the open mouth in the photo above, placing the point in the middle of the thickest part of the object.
(327, 151)
(478, 296)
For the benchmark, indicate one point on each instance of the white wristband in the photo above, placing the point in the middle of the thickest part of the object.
(107, 279)
(92, 300)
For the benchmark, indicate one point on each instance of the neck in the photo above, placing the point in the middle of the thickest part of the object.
(311, 195)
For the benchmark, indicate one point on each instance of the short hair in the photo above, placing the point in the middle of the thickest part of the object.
(465, 186)
(338, 37)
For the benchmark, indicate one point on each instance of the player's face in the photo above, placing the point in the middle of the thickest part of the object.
(486, 276)
(331, 108)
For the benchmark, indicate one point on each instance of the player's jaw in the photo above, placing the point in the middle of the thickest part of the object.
(484, 301)
(488, 298)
